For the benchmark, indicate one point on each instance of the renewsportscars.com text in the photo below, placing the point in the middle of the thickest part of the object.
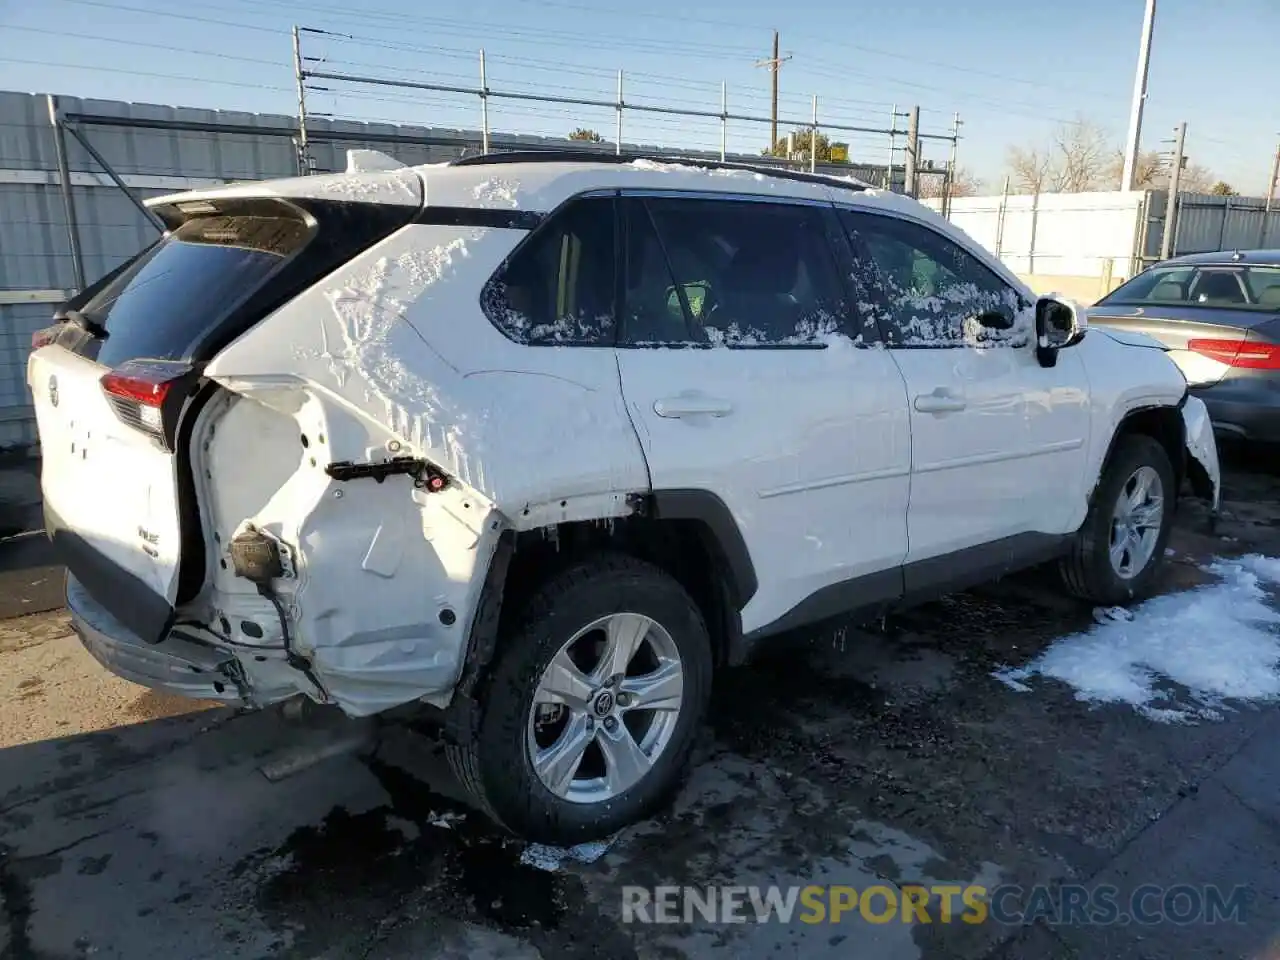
(1071, 904)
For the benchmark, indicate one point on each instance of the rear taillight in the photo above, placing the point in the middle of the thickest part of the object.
(1244, 354)
(148, 394)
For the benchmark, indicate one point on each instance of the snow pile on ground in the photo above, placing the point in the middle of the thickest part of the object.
(549, 858)
(1219, 642)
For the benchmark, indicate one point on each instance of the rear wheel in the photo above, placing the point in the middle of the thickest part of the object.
(1119, 549)
(592, 704)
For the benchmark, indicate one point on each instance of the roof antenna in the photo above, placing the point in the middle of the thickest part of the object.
(1237, 256)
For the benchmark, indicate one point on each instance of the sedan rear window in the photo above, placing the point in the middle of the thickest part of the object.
(176, 291)
(1212, 285)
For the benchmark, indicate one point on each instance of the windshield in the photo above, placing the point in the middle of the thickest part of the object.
(1210, 285)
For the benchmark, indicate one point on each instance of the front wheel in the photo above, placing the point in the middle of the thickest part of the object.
(1117, 553)
(592, 705)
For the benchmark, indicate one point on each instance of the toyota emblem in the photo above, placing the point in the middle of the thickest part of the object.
(53, 391)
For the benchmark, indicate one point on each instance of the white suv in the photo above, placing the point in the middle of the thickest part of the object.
(544, 441)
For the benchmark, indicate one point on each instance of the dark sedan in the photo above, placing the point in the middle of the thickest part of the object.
(1218, 314)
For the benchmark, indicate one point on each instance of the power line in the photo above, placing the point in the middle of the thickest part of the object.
(94, 68)
(520, 35)
(130, 42)
(844, 45)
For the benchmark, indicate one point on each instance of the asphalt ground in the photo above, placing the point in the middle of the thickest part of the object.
(137, 825)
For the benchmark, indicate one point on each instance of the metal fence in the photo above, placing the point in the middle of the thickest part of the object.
(1204, 222)
(305, 74)
(74, 174)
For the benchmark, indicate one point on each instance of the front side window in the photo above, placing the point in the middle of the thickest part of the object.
(558, 286)
(1238, 288)
(737, 273)
(928, 290)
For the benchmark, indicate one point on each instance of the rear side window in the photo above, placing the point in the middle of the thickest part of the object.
(557, 288)
(742, 273)
(174, 293)
(1232, 287)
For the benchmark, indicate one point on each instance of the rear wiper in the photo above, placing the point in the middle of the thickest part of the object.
(84, 322)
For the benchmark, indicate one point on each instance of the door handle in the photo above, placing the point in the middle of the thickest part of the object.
(941, 400)
(692, 404)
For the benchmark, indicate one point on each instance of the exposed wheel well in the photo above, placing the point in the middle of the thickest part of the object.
(1162, 424)
(686, 549)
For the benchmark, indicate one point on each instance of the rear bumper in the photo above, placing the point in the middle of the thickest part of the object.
(1247, 408)
(174, 665)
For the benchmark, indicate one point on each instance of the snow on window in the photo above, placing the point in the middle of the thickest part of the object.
(1179, 657)
(746, 274)
(558, 288)
(957, 313)
(510, 308)
(814, 329)
(924, 289)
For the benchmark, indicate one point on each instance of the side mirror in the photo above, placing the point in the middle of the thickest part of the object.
(1060, 323)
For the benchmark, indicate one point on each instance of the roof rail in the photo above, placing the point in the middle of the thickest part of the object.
(600, 156)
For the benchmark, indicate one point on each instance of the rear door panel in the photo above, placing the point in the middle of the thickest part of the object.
(802, 434)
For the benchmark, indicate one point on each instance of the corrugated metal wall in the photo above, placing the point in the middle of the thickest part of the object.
(1207, 222)
(35, 253)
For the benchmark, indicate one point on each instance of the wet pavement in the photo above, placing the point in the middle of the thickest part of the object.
(884, 756)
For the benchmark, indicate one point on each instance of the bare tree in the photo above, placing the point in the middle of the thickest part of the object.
(1075, 159)
(1152, 171)
(1031, 169)
(1082, 151)
(1079, 156)
(1196, 179)
(965, 185)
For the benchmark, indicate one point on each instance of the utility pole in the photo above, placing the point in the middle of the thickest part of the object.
(304, 162)
(1139, 99)
(774, 64)
(950, 184)
(893, 146)
(1265, 229)
(911, 173)
(1171, 205)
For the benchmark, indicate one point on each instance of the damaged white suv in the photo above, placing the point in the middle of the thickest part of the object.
(544, 441)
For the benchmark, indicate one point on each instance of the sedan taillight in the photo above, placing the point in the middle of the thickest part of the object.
(1242, 354)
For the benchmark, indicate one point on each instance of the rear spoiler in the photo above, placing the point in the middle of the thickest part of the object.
(369, 179)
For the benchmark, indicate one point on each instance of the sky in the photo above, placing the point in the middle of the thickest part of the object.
(1014, 70)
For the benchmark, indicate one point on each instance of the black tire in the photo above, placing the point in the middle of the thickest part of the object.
(1087, 570)
(496, 767)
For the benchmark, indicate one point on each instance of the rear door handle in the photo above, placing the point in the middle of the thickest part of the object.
(941, 400)
(691, 404)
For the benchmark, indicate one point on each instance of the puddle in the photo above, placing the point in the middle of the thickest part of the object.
(421, 849)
